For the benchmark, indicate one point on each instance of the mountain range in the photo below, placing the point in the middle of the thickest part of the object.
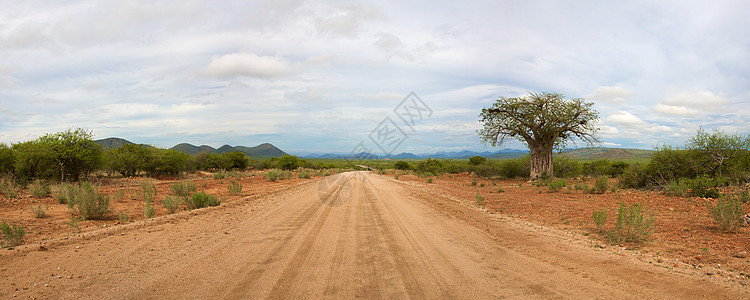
(262, 150)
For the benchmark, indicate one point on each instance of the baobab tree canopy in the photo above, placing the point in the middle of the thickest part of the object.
(544, 121)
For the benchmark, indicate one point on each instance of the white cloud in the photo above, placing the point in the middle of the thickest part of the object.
(626, 119)
(611, 94)
(686, 103)
(247, 64)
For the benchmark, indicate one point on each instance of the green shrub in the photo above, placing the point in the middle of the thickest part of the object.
(600, 220)
(477, 160)
(395, 176)
(581, 187)
(74, 223)
(122, 217)
(88, 202)
(200, 200)
(500, 190)
(633, 225)
(8, 187)
(474, 182)
(555, 186)
(728, 213)
(219, 175)
(12, 234)
(676, 189)
(274, 174)
(234, 188)
(402, 165)
(303, 175)
(149, 211)
(148, 190)
(183, 188)
(705, 186)
(480, 199)
(634, 177)
(39, 211)
(63, 192)
(171, 203)
(39, 188)
(601, 184)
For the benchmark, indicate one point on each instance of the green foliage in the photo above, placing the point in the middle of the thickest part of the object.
(39, 188)
(705, 186)
(200, 200)
(39, 211)
(402, 165)
(75, 152)
(634, 224)
(676, 189)
(395, 176)
(477, 160)
(8, 187)
(566, 168)
(473, 182)
(63, 192)
(235, 160)
(728, 213)
(171, 203)
(149, 211)
(12, 234)
(716, 151)
(303, 174)
(600, 220)
(7, 159)
(429, 180)
(122, 217)
(128, 160)
(167, 162)
(500, 190)
(273, 175)
(88, 202)
(219, 175)
(555, 186)
(148, 190)
(234, 188)
(35, 159)
(479, 199)
(289, 162)
(74, 220)
(183, 188)
(430, 165)
(581, 187)
(602, 184)
(634, 177)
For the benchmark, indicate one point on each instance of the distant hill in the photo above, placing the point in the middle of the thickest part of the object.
(262, 150)
(607, 153)
(112, 143)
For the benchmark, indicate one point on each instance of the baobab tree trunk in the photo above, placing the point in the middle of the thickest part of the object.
(541, 161)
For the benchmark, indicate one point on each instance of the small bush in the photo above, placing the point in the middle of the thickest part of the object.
(39, 188)
(171, 203)
(581, 187)
(728, 213)
(705, 186)
(12, 234)
(429, 180)
(500, 190)
(480, 199)
(39, 211)
(74, 223)
(602, 184)
(122, 217)
(676, 189)
(88, 202)
(149, 211)
(234, 188)
(200, 200)
(303, 175)
(556, 185)
(633, 225)
(148, 190)
(273, 175)
(8, 187)
(395, 176)
(219, 175)
(183, 188)
(473, 182)
(63, 192)
(600, 220)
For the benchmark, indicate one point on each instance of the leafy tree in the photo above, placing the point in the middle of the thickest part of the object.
(34, 159)
(430, 165)
(7, 159)
(167, 162)
(127, 160)
(717, 149)
(289, 162)
(544, 121)
(477, 160)
(235, 160)
(402, 165)
(75, 152)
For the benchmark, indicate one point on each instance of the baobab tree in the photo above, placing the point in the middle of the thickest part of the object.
(544, 121)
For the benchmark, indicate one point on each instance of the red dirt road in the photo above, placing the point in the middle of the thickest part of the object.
(365, 236)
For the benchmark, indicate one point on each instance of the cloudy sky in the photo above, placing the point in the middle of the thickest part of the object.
(320, 76)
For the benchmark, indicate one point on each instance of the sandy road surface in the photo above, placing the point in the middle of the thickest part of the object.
(388, 240)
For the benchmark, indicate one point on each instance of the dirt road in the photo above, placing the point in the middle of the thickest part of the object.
(356, 235)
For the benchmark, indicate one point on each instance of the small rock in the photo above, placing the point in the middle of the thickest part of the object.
(744, 282)
(42, 248)
(709, 273)
(741, 254)
(699, 257)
